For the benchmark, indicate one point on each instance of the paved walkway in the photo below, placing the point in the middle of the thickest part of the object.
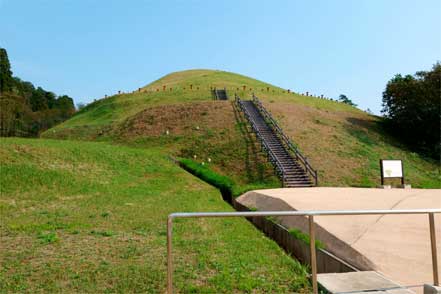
(396, 245)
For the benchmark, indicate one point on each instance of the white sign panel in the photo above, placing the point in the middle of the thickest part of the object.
(392, 169)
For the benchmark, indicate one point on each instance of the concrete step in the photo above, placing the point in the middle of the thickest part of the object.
(360, 282)
(297, 186)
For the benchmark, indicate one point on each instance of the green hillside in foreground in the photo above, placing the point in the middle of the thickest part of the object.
(178, 114)
(80, 217)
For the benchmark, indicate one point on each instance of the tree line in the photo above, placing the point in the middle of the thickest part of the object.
(26, 110)
(411, 108)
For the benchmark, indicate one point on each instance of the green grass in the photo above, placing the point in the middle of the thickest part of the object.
(299, 235)
(223, 183)
(91, 218)
(108, 112)
(343, 143)
(226, 185)
(372, 145)
(296, 233)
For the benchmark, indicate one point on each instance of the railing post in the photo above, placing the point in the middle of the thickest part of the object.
(310, 215)
(313, 255)
(433, 245)
(169, 256)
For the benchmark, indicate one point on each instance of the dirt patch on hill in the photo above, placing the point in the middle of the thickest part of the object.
(181, 119)
(344, 146)
(210, 132)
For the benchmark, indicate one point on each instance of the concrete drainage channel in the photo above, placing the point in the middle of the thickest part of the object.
(336, 275)
(326, 262)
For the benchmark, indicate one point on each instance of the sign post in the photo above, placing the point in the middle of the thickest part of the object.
(391, 169)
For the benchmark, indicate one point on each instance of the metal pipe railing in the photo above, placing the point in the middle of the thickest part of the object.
(267, 115)
(310, 214)
(273, 157)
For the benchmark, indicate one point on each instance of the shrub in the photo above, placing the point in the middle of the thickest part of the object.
(223, 183)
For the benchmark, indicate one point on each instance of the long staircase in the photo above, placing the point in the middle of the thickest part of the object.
(292, 167)
(219, 94)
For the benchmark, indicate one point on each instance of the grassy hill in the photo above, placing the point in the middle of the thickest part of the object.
(186, 86)
(177, 113)
(80, 217)
(83, 216)
(98, 115)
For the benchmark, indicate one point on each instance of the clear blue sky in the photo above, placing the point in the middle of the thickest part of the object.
(90, 48)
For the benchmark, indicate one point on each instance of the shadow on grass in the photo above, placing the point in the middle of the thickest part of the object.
(359, 128)
(372, 131)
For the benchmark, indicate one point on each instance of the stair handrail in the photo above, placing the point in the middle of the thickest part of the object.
(256, 130)
(303, 159)
(273, 158)
(279, 167)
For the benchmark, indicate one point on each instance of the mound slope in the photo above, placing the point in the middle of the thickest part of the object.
(342, 142)
(86, 217)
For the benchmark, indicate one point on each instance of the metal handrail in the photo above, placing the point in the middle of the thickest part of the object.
(310, 214)
(267, 115)
(273, 158)
(284, 138)
(256, 130)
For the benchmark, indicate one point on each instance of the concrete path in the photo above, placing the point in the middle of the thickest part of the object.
(396, 245)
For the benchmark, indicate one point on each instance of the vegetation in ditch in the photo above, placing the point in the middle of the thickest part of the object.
(299, 235)
(223, 183)
(296, 233)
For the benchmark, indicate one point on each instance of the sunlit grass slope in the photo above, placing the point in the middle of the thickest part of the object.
(81, 217)
(343, 143)
(186, 86)
(345, 147)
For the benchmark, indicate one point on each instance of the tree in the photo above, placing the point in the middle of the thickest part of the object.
(23, 88)
(38, 100)
(6, 81)
(16, 118)
(65, 103)
(24, 110)
(66, 107)
(411, 105)
(344, 99)
(50, 99)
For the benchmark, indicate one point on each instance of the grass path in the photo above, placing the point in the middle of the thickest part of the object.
(90, 218)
